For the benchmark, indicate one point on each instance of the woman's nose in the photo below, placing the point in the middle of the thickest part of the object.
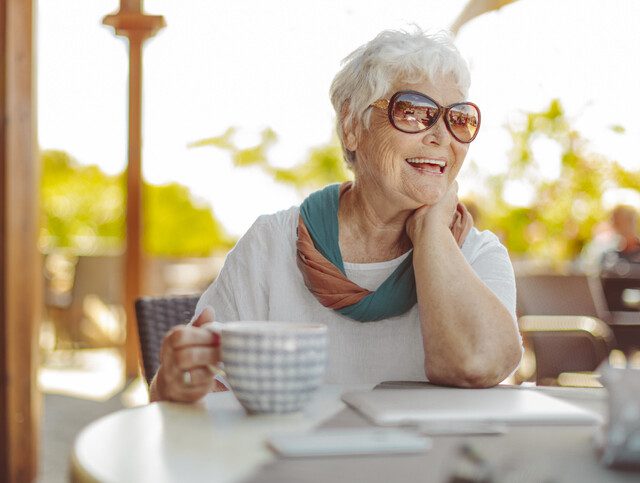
(437, 134)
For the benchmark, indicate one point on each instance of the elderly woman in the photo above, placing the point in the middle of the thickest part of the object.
(390, 262)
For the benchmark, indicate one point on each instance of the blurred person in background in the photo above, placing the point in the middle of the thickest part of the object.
(616, 240)
(390, 262)
(624, 257)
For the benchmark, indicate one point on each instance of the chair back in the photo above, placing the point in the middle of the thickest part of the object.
(555, 294)
(156, 316)
(622, 294)
(566, 344)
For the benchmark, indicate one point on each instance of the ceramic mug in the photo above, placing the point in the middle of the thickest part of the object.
(272, 367)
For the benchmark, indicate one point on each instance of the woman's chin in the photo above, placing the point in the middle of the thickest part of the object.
(426, 191)
(430, 198)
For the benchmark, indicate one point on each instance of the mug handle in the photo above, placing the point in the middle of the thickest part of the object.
(216, 328)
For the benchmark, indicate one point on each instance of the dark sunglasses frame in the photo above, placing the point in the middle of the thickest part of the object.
(389, 103)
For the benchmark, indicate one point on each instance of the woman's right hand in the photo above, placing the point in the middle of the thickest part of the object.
(441, 214)
(186, 355)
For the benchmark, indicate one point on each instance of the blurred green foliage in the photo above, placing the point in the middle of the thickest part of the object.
(323, 166)
(177, 225)
(83, 208)
(83, 211)
(563, 211)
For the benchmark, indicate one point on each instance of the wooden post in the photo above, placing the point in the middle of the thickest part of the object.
(20, 266)
(131, 23)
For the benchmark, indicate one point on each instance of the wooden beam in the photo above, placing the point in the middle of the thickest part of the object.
(130, 22)
(5, 442)
(134, 254)
(20, 267)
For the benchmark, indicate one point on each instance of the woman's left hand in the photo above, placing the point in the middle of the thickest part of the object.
(427, 218)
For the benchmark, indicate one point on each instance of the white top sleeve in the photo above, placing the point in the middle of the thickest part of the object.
(239, 292)
(490, 260)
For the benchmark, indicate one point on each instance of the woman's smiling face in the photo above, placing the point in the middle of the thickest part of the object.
(410, 170)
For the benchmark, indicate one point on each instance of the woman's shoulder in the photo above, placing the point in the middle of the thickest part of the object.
(280, 223)
(481, 237)
(271, 231)
(482, 242)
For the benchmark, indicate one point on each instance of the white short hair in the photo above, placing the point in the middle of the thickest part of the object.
(394, 56)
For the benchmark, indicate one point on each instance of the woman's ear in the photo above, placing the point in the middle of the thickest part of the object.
(349, 129)
(350, 141)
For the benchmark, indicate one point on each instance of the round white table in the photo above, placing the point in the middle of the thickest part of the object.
(214, 440)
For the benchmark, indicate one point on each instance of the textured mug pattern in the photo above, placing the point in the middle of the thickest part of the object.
(274, 371)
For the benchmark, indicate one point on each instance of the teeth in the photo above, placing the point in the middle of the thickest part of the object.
(427, 161)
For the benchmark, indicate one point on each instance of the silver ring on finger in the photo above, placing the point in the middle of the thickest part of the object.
(186, 378)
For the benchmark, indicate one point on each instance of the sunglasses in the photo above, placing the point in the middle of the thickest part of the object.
(414, 112)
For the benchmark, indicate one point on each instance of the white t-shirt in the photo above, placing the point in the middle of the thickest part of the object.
(261, 281)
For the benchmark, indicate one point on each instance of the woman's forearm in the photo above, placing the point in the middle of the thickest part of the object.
(469, 336)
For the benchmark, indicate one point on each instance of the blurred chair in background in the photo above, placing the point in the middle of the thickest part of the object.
(620, 267)
(556, 294)
(623, 301)
(566, 347)
(621, 294)
(617, 262)
(155, 316)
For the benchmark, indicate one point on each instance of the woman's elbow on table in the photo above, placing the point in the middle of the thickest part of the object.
(474, 373)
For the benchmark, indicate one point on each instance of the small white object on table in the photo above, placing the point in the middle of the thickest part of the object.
(214, 440)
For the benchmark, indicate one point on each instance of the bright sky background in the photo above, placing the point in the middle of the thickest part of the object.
(260, 54)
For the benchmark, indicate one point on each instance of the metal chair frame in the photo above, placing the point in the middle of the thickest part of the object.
(566, 343)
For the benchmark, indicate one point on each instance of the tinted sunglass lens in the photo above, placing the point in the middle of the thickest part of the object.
(464, 122)
(413, 112)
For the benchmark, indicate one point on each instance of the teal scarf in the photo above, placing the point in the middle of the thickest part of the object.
(396, 295)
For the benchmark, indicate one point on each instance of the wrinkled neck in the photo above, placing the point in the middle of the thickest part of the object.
(373, 222)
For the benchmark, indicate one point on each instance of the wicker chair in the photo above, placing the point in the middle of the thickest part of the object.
(566, 344)
(156, 315)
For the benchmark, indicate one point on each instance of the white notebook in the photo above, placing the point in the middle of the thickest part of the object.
(394, 407)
